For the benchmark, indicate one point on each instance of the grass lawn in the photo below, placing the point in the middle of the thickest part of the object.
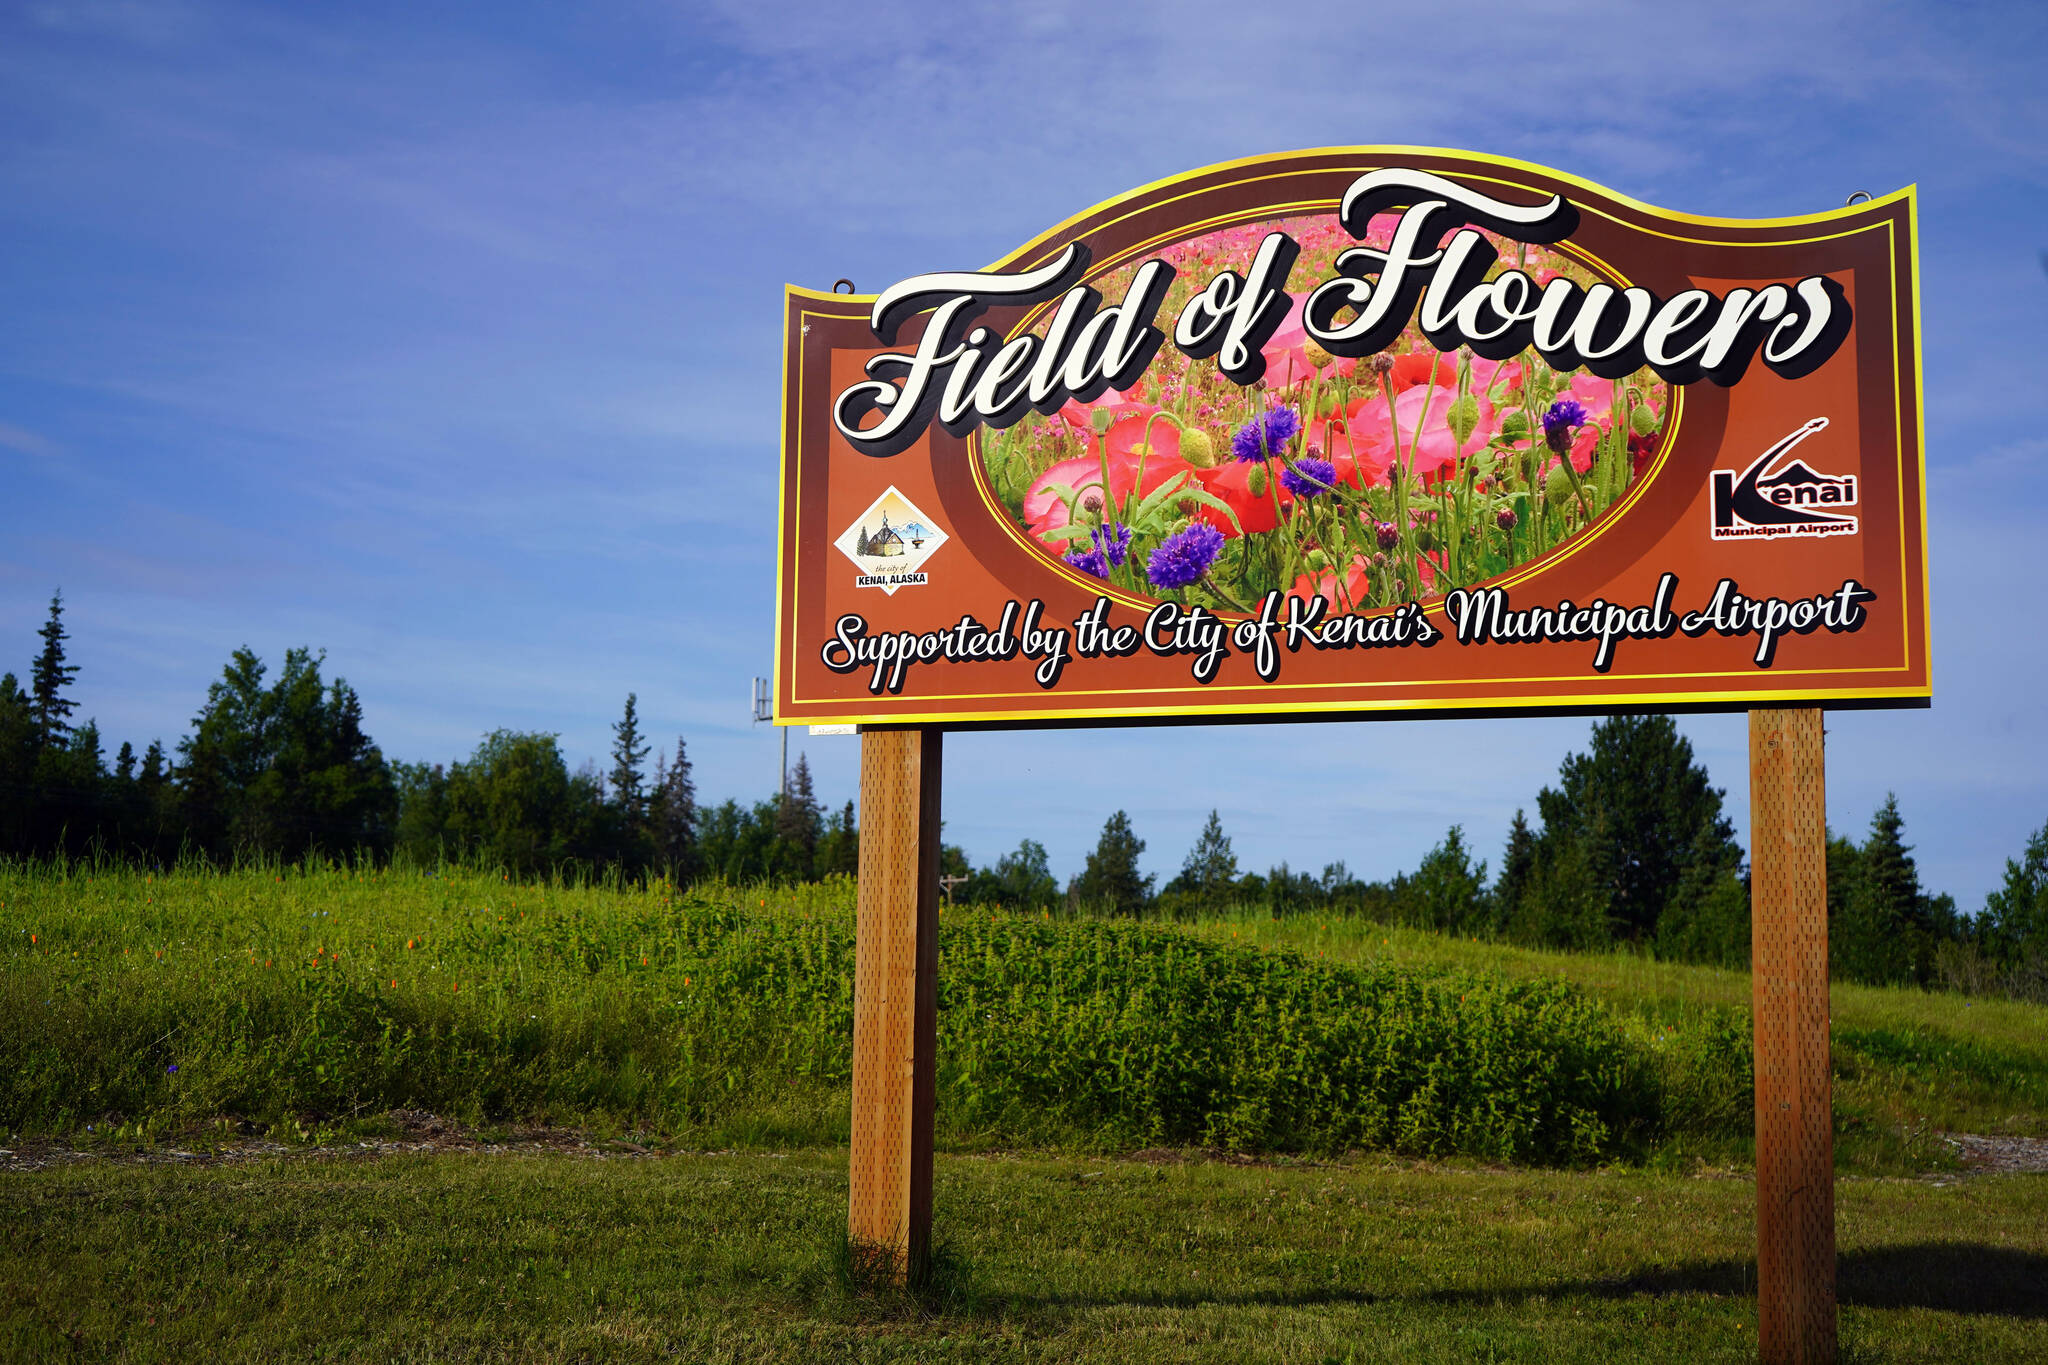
(728, 1258)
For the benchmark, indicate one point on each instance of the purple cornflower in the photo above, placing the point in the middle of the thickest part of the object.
(1106, 552)
(1308, 477)
(171, 1070)
(1266, 435)
(1562, 422)
(1182, 558)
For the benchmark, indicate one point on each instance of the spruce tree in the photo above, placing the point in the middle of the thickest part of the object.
(1110, 880)
(675, 834)
(2014, 925)
(839, 850)
(124, 764)
(1884, 935)
(1517, 868)
(1642, 814)
(52, 709)
(799, 822)
(1447, 893)
(629, 754)
(18, 744)
(1210, 869)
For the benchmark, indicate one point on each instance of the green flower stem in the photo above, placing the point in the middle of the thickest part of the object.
(1108, 498)
(1209, 582)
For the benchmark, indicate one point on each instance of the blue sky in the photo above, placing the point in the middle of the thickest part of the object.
(446, 340)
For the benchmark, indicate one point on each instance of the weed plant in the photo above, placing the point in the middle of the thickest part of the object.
(307, 1000)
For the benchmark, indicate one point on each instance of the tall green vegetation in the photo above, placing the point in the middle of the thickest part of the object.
(339, 992)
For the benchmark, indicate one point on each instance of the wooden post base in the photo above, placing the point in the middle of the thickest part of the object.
(1795, 1139)
(895, 999)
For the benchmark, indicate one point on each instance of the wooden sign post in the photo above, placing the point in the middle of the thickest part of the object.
(895, 1000)
(1795, 1140)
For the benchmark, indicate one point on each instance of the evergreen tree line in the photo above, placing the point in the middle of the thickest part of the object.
(1631, 844)
(282, 768)
(1631, 847)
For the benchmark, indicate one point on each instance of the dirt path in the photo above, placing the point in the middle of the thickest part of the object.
(419, 1131)
(1999, 1155)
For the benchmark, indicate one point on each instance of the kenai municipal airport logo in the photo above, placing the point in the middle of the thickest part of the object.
(890, 543)
(1797, 500)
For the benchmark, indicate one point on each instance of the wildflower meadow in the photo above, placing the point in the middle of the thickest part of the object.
(1368, 482)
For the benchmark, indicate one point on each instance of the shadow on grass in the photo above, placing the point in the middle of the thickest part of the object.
(1950, 1277)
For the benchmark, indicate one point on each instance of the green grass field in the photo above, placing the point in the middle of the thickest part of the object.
(728, 1258)
(1588, 1119)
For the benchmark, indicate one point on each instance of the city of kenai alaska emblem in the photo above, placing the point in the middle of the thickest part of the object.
(890, 543)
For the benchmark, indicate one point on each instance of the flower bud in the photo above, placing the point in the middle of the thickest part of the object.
(1379, 560)
(1255, 482)
(1425, 539)
(1198, 448)
(1557, 486)
(1100, 419)
(1644, 421)
(1463, 417)
(1389, 535)
(1317, 356)
(1515, 426)
(1317, 560)
(1382, 364)
(1506, 518)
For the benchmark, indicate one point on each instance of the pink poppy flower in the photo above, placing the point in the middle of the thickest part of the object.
(1437, 446)
(1287, 361)
(1045, 511)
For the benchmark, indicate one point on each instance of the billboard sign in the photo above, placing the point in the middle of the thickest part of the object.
(1361, 431)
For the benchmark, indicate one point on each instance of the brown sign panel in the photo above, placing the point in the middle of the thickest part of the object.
(1362, 431)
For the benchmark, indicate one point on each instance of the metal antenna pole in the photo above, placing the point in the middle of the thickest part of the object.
(764, 710)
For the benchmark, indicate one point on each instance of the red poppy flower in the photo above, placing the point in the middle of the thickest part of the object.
(1417, 367)
(1352, 592)
(1348, 593)
(1231, 482)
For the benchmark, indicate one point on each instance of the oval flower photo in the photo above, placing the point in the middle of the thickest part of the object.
(1369, 482)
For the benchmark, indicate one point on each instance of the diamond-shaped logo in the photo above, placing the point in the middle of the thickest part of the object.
(890, 543)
